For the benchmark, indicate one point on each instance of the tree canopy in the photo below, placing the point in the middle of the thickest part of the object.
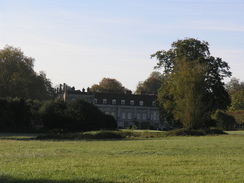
(192, 87)
(108, 85)
(150, 85)
(78, 115)
(234, 85)
(18, 78)
(235, 89)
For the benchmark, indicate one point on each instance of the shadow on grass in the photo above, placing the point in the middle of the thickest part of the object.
(10, 179)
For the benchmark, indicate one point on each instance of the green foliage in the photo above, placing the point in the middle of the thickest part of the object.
(15, 115)
(108, 85)
(192, 132)
(238, 115)
(224, 121)
(150, 85)
(19, 115)
(127, 134)
(237, 101)
(236, 91)
(81, 136)
(18, 79)
(192, 87)
(234, 85)
(78, 115)
(52, 113)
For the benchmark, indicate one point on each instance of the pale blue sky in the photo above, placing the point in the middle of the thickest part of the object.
(81, 41)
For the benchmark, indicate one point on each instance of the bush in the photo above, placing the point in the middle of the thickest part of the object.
(238, 115)
(224, 121)
(85, 136)
(186, 132)
(108, 135)
(15, 115)
(75, 117)
(192, 132)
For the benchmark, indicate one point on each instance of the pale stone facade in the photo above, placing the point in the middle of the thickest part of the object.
(128, 109)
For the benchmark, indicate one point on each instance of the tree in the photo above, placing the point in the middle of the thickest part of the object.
(15, 115)
(192, 87)
(78, 115)
(41, 87)
(108, 85)
(224, 120)
(237, 101)
(150, 85)
(52, 113)
(234, 85)
(18, 79)
(86, 117)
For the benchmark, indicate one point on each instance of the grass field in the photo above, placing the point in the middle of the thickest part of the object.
(169, 159)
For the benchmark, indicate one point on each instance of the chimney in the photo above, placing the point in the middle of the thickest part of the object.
(143, 92)
(128, 92)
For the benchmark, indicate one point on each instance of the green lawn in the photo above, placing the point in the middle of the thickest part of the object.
(169, 159)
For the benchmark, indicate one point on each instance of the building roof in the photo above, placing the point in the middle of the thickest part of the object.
(147, 99)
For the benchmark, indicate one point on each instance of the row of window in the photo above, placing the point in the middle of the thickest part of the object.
(139, 116)
(122, 102)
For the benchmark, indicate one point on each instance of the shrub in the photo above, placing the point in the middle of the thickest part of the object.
(224, 121)
(15, 115)
(85, 136)
(108, 135)
(75, 117)
(185, 132)
(192, 132)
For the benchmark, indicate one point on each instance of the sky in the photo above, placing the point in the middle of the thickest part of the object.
(79, 42)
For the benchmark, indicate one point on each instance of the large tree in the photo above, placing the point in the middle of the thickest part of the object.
(18, 78)
(235, 88)
(192, 86)
(234, 85)
(150, 85)
(108, 85)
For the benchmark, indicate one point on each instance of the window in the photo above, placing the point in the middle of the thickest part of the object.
(122, 102)
(95, 101)
(157, 116)
(113, 101)
(138, 116)
(104, 101)
(153, 103)
(141, 102)
(144, 116)
(154, 116)
(129, 115)
(123, 115)
(132, 102)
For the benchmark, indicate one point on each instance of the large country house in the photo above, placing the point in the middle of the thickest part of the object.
(128, 109)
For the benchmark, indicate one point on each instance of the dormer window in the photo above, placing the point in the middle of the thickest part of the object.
(95, 101)
(104, 101)
(122, 102)
(132, 102)
(113, 101)
(141, 103)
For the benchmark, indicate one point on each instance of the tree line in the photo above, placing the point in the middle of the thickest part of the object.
(190, 89)
(28, 100)
(18, 78)
(20, 115)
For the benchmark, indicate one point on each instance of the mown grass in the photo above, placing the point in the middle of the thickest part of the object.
(168, 159)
